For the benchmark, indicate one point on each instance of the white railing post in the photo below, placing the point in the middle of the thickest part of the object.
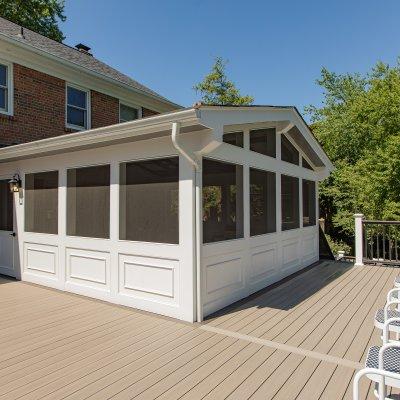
(358, 239)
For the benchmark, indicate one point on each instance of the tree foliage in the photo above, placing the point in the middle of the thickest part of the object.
(41, 16)
(358, 125)
(217, 89)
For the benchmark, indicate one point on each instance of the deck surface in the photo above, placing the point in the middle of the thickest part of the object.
(302, 339)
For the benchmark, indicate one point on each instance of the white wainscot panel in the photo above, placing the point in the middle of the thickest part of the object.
(224, 275)
(41, 259)
(88, 268)
(290, 255)
(309, 248)
(147, 278)
(263, 263)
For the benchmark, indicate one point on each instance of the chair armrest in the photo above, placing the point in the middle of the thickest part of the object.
(389, 295)
(365, 371)
(385, 331)
(387, 308)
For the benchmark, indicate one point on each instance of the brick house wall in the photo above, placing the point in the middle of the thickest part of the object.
(39, 108)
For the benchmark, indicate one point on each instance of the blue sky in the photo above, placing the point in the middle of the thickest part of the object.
(275, 48)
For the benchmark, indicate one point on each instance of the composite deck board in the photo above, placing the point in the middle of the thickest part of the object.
(56, 345)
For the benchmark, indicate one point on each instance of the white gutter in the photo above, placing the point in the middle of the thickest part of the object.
(197, 221)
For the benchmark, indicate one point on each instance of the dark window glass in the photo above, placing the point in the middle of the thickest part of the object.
(77, 107)
(127, 113)
(76, 116)
(309, 203)
(88, 202)
(262, 202)
(6, 207)
(263, 141)
(222, 201)
(41, 202)
(149, 201)
(289, 152)
(234, 138)
(290, 202)
(3, 88)
(3, 99)
(306, 164)
(3, 75)
(76, 97)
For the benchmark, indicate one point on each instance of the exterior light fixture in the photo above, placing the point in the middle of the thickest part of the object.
(15, 183)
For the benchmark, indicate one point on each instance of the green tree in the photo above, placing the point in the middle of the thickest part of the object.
(358, 125)
(217, 89)
(41, 16)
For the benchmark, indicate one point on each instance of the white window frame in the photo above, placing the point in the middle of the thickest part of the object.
(9, 88)
(131, 105)
(88, 107)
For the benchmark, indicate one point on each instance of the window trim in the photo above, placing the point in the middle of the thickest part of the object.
(131, 105)
(9, 88)
(88, 107)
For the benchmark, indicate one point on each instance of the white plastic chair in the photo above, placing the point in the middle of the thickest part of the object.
(382, 365)
(393, 294)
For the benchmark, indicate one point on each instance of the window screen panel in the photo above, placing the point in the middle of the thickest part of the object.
(6, 207)
(263, 141)
(76, 97)
(41, 202)
(233, 138)
(262, 202)
(290, 202)
(88, 202)
(222, 201)
(149, 200)
(289, 152)
(309, 203)
(127, 113)
(306, 164)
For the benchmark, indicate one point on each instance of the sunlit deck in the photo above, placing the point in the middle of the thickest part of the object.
(302, 339)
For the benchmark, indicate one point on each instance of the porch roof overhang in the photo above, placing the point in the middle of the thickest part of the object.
(141, 129)
(200, 118)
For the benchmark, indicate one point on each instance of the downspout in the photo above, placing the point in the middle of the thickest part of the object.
(197, 221)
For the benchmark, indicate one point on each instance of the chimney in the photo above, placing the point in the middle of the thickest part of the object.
(84, 49)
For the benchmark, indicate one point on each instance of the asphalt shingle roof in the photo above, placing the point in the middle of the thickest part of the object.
(71, 54)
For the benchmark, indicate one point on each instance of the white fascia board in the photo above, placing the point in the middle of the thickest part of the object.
(42, 61)
(137, 129)
(218, 117)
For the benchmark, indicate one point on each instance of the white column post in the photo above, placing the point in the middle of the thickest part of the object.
(358, 239)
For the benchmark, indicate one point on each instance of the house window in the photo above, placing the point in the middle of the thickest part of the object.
(289, 153)
(263, 141)
(309, 203)
(5, 89)
(127, 113)
(149, 201)
(262, 202)
(233, 138)
(306, 164)
(88, 202)
(222, 201)
(77, 108)
(41, 202)
(6, 207)
(290, 202)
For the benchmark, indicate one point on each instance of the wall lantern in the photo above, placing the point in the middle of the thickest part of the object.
(15, 183)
